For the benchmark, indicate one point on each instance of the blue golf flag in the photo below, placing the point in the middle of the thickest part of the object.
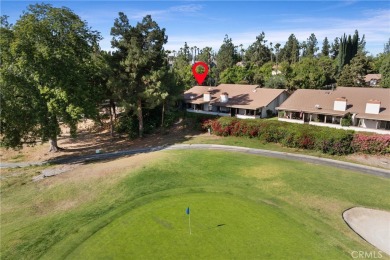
(188, 211)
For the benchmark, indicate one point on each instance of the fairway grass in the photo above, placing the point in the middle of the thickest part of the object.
(242, 206)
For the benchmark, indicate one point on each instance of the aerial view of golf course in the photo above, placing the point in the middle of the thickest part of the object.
(182, 203)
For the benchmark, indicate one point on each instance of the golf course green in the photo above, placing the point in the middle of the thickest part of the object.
(242, 206)
(222, 226)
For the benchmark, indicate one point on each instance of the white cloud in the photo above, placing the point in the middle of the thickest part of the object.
(374, 24)
(188, 9)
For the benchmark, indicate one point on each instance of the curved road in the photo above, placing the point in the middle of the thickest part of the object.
(281, 155)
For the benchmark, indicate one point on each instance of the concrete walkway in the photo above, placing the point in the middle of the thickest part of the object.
(372, 225)
(280, 155)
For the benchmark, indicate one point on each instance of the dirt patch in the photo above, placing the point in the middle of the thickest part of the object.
(88, 142)
(112, 169)
(372, 160)
(53, 171)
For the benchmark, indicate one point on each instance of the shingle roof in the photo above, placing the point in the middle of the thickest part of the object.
(240, 96)
(306, 99)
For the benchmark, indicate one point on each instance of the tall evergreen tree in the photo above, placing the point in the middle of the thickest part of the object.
(227, 54)
(385, 71)
(142, 62)
(290, 51)
(335, 48)
(349, 47)
(386, 48)
(182, 68)
(325, 47)
(258, 53)
(311, 44)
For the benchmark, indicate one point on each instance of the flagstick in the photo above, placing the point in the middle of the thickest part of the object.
(189, 222)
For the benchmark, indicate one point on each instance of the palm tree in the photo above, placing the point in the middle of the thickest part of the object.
(192, 54)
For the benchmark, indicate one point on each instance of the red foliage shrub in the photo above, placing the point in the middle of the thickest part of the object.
(371, 144)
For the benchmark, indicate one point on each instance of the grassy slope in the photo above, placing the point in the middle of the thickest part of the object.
(255, 143)
(56, 215)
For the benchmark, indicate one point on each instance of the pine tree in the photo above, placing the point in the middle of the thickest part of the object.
(325, 47)
(386, 48)
(311, 45)
(227, 55)
(258, 53)
(141, 61)
(335, 48)
(290, 51)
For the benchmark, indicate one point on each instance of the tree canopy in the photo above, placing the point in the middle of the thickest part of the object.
(46, 75)
(142, 63)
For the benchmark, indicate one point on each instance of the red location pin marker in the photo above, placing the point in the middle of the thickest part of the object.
(200, 77)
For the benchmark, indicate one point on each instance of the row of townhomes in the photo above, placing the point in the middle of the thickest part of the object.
(365, 109)
(242, 101)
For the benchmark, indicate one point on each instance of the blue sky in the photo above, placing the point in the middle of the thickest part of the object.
(205, 23)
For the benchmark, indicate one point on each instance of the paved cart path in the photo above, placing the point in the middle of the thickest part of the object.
(281, 155)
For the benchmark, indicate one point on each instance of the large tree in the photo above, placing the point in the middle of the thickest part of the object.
(386, 47)
(227, 55)
(258, 52)
(325, 47)
(335, 48)
(141, 56)
(311, 45)
(46, 69)
(182, 68)
(349, 47)
(313, 73)
(385, 71)
(290, 51)
(353, 74)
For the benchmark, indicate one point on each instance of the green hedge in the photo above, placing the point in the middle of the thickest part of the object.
(326, 140)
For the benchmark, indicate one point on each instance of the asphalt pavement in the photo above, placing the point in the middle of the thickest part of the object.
(280, 155)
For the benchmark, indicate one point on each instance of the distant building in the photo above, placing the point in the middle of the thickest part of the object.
(368, 108)
(373, 79)
(276, 70)
(241, 101)
(241, 64)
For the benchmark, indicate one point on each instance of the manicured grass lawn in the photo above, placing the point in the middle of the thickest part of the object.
(258, 144)
(223, 226)
(270, 208)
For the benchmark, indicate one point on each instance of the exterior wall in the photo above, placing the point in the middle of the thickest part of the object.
(291, 120)
(367, 123)
(246, 117)
(354, 128)
(275, 103)
(207, 112)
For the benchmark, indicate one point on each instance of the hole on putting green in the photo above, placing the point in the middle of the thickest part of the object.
(221, 225)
